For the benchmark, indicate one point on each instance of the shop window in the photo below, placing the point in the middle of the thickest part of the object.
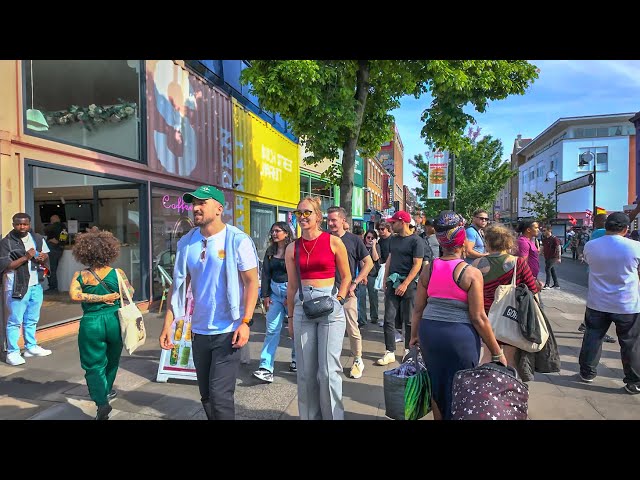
(171, 218)
(262, 217)
(82, 202)
(88, 103)
(587, 155)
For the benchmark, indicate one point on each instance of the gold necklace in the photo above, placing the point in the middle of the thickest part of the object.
(309, 252)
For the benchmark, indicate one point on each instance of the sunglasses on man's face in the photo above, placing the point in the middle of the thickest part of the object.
(303, 213)
(486, 219)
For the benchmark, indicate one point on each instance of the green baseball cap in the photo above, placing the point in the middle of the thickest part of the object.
(203, 193)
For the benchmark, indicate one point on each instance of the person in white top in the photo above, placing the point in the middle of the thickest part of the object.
(613, 296)
(221, 263)
(24, 263)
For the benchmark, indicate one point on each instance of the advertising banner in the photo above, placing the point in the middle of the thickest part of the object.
(358, 172)
(357, 202)
(438, 175)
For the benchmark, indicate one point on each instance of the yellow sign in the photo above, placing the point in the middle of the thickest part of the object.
(266, 162)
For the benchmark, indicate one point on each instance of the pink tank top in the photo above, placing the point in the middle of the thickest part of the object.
(442, 284)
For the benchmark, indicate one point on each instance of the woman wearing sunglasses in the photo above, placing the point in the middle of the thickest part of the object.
(312, 262)
(274, 299)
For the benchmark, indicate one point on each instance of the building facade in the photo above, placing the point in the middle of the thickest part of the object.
(410, 200)
(375, 175)
(115, 144)
(608, 140)
(391, 157)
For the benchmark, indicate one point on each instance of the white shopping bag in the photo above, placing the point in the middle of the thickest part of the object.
(380, 278)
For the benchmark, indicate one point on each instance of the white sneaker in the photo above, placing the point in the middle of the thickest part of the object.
(15, 359)
(357, 368)
(36, 351)
(389, 357)
(398, 337)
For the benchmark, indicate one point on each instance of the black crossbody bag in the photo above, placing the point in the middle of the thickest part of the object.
(315, 307)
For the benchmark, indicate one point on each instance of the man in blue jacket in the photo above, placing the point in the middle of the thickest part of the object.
(221, 264)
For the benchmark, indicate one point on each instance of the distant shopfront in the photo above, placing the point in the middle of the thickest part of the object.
(266, 176)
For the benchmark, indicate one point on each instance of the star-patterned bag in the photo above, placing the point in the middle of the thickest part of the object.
(491, 391)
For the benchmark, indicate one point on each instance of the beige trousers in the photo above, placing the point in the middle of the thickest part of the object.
(353, 330)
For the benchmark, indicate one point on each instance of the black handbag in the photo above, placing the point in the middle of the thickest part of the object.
(314, 307)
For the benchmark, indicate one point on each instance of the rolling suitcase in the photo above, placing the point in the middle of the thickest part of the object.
(491, 391)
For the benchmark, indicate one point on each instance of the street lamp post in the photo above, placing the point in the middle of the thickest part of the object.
(585, 158)
(554, 174)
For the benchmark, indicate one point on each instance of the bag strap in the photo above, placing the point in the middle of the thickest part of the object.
(461, 273)
(515, 270)
(120, 287)
(101, 281)
(296, 259)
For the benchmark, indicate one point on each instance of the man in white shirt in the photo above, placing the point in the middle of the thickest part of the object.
(613, 296)
(23, 264)
(221, 264)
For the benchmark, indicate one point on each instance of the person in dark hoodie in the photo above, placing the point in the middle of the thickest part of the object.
(24, 263)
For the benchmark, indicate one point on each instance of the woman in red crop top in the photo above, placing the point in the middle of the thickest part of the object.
(318, 341)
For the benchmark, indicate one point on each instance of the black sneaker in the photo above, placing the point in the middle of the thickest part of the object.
(264, 375)
(582, 327)
(546, 287)
(556, 286)
(609, 339)
(112, 394)
(293, 367)
(586, 379)
(632, 388)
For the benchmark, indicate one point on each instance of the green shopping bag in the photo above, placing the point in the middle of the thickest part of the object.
(407, 389)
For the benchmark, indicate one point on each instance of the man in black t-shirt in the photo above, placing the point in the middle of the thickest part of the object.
(358, 258)
(404, 262)
(384, 231)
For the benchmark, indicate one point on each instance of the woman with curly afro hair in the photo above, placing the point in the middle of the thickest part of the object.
(99, 340)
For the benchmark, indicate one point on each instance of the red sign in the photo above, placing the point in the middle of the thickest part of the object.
(437, 193)
(385, 191)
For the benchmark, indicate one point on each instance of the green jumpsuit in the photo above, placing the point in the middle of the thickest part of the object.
(99, 340)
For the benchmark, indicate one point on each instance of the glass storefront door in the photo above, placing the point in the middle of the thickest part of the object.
(83, 201)
(262, 217)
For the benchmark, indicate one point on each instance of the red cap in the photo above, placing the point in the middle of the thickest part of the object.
(400, 215)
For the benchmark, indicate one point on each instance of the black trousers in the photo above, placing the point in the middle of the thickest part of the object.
(550, 271)
(394, 305)
(55, 254)
(217, 364)
(628, 332)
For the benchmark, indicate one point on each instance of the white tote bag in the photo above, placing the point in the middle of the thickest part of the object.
(131, 322)
(380, 277)
(503, 316)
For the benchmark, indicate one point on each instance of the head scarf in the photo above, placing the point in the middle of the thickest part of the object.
(452, 238)
(446, 220)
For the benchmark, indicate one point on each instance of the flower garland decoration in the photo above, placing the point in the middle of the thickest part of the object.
(93, 115)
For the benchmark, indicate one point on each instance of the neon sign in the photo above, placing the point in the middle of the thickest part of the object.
(180, 206)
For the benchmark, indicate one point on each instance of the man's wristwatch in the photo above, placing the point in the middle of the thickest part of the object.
(341, 299)
(247, 321)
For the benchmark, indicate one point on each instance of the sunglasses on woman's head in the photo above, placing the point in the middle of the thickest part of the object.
(303, 213)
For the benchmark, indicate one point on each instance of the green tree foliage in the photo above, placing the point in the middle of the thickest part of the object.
(541, 207)
(480, 175)
(335, 105)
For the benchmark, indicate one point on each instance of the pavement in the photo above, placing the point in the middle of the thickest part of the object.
(53, 387)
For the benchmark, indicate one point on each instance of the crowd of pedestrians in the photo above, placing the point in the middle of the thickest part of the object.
(438, 284)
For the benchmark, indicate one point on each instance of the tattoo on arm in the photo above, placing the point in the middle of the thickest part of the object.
(127, 284)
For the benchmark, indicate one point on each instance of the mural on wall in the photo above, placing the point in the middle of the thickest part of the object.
(189, 125)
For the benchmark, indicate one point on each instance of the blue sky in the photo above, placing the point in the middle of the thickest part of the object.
(564, 88)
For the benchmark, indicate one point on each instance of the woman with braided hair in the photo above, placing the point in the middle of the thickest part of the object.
(449, 329)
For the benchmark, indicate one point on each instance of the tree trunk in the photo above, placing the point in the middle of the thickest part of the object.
(349, 148)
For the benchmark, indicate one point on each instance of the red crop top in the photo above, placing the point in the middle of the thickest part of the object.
(321, 263)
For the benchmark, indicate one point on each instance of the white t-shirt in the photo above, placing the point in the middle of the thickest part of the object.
(614, 286)
(29, 243)
(212, 312)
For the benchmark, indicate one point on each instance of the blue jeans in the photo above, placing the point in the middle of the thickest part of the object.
(319, 346)
(275, 317)
(23, 312)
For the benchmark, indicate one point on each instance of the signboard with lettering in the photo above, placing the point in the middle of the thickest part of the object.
(357, 202)
(438, 174)
(266, 162)
(358, 172)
